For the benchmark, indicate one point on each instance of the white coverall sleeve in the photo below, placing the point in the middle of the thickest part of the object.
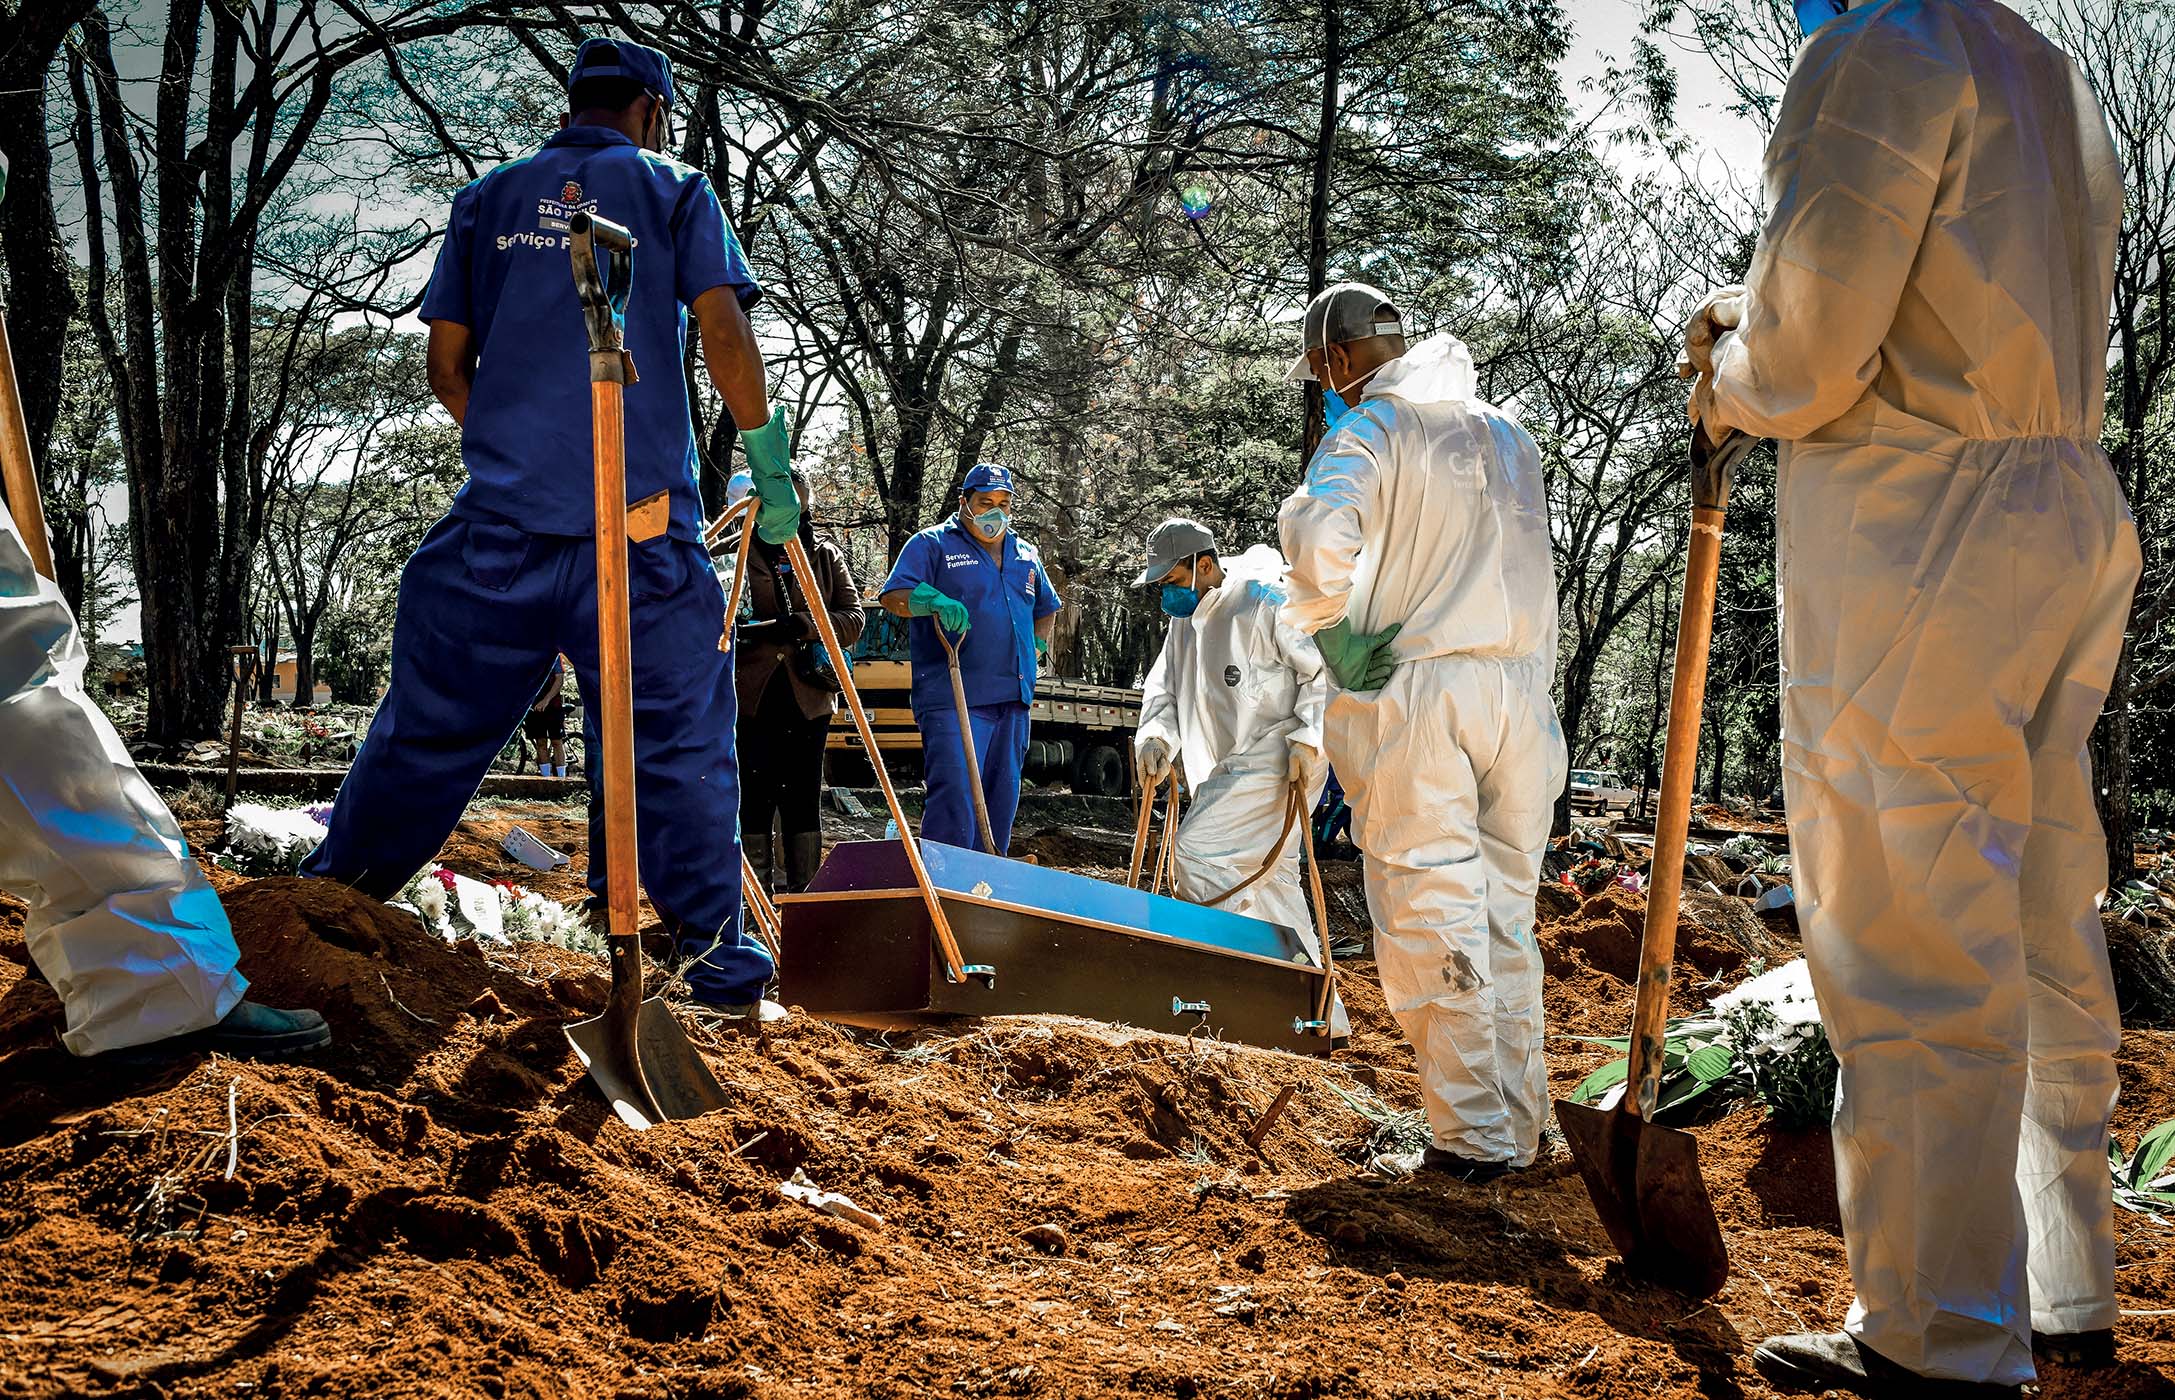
(1323, 523)
(122, 922)
(1298, 652)
(1158, 705)
(1851, 176)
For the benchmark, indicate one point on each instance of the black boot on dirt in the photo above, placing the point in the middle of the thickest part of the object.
(757, 847)
(253, 1032)
(248, 1032)
(1810, 1362)
(803, 853)
(2083, 1351)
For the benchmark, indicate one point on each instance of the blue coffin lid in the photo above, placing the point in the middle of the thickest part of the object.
(874, 865)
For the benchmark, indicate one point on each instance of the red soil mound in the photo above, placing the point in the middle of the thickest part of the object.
(441, 1205)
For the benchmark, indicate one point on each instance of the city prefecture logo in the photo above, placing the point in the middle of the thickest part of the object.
(553, 214)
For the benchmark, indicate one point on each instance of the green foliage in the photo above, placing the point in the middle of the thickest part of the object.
(2145, 1179)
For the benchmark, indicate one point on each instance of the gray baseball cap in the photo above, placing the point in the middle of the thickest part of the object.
(1345, 312)
(1170, 544)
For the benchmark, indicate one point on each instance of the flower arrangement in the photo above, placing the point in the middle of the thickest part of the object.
(265, 841)
(1762, 1040)
(1771, 1027)
(437, 895)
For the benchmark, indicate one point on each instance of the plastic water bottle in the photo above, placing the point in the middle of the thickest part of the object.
(891, 831)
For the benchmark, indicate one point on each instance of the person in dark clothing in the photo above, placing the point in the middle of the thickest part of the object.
(544, 726)
(787, 697)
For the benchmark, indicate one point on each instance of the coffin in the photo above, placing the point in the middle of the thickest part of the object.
(859, 942)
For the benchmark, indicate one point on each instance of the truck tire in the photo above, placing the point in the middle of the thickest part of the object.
(1099, 771)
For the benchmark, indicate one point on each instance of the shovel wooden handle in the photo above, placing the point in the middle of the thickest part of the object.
(1679, 769)
(1140, 834)
(966, 738)
(16, 472)
(1328, 992)
(955, 966)
(1166, 861)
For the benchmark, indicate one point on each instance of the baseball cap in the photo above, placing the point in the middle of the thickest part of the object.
(618, 58)
(1170, 544)
(986, 476)
(1346, 312)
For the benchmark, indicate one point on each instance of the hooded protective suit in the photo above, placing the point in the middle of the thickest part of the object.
(122, 922)
(1924, 328)
(1425, 508)
(1232, 692)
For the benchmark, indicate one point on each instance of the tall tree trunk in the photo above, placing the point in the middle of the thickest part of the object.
(1325, 148)
(268, 654)
(2110, 751)
(1577, 694)
(306, 664)
(41, 294)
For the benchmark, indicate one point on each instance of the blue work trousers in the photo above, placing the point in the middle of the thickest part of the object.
(483, 609)
(1000, 745)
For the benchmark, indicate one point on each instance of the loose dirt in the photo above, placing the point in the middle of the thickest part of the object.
(440, 1205)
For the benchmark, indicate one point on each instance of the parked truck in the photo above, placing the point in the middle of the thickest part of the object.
(1082, 734)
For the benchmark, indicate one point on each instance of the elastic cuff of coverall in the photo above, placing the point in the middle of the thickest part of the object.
(122, 1027)
(1922, 1356)
(2082, 1317)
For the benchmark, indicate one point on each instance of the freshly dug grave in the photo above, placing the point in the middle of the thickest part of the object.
(440, 1205)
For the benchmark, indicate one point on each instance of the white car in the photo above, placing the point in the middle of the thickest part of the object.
(1600, 792)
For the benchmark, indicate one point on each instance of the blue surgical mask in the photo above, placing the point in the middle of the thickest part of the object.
(1179, 600)
(1334, 408)
(1811, 14)
(992, 523)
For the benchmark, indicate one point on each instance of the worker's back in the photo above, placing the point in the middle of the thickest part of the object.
(1444, 496)
(1999, 326)
(506, 275)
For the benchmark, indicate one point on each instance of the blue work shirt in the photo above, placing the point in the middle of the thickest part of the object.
(997, 659)
(505, 273)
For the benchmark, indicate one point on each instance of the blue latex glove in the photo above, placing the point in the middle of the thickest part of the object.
(770, 465)
(1359, 660)
(927, 601)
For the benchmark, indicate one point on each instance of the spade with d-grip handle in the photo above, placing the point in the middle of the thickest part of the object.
(1644, 1178)
(637, 1052)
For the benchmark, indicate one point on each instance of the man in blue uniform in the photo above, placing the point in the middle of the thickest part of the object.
(507, 580)
(987, 588)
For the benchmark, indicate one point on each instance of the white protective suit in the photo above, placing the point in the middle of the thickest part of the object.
(122, 922)
(1425, 507)
(1925, 330)
(1234, 688)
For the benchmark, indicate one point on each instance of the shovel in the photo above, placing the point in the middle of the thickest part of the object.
(636, 1051)
(966, 738)
(1644, 1178)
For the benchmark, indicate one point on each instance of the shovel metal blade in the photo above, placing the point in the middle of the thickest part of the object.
(666, 1079)
(1646, 1187)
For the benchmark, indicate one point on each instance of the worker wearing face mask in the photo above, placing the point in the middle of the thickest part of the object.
(1923, 329)
(1420, 565)
(1237, 694)
(986, 587)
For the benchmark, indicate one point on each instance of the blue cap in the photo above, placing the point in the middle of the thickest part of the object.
(618, 58)
(986, 476)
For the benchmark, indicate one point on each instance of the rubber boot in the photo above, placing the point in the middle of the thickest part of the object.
(803, 853)
(757, 846)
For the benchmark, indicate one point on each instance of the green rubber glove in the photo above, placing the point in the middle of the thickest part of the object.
(1359, 660)
(926, 601)
(1042, 653)
(770, 466)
